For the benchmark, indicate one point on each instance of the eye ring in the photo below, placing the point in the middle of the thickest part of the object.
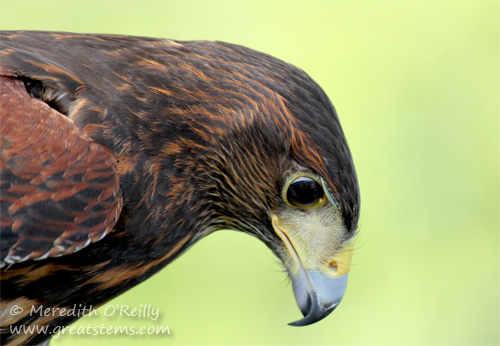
(304, 191)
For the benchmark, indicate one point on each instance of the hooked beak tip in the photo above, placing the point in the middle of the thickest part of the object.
(317, 296)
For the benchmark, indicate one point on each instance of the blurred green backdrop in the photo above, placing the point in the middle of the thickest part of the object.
(416, 85)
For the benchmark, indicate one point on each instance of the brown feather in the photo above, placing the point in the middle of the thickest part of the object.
(46, 162)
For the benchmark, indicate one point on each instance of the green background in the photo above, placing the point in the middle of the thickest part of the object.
(416, 85)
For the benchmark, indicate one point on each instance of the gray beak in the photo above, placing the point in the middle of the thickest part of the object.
(317, 295)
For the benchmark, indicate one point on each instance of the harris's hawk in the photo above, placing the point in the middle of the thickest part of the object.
(118, 153)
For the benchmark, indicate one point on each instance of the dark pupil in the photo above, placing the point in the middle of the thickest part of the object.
(304, 192)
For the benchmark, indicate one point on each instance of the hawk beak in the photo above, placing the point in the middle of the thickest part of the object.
(317, 295)
(318, 288)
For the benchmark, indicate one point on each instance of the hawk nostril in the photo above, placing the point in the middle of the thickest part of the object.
(334, 266)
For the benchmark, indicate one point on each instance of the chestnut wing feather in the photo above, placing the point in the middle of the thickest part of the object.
(59, 190)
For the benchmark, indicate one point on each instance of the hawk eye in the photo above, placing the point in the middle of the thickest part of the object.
(304, 192)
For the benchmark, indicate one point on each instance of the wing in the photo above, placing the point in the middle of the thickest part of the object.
(59, 190)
